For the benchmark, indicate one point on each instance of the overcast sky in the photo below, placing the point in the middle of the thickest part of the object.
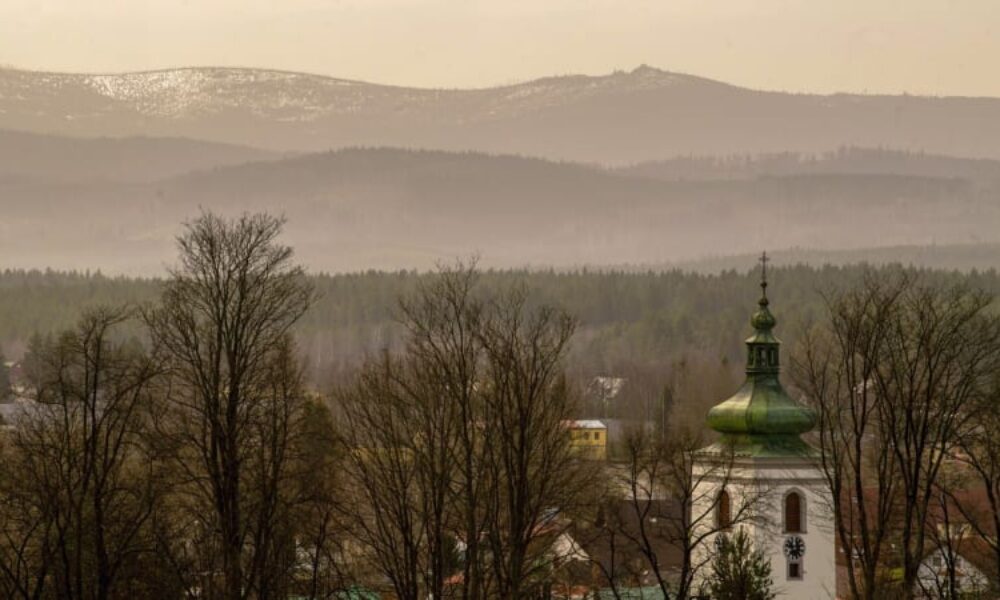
(945, 47)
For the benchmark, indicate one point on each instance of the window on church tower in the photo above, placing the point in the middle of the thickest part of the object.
(724, 514)
(793, 513)
(794, 569)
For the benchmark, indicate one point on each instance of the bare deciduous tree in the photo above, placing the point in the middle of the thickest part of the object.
(379, 432)
(895, 378)
(223, 328)
(980, 453)
(443, 321)
(318, 480)
(532, 473)
(87, 483)
(942, 348)
(462, 440)
(836, 370)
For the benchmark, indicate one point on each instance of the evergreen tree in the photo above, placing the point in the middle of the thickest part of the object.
(740, 571)
(5, 391)
(664, 413)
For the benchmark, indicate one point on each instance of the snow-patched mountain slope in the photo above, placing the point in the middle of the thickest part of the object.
(643, 114)
(193, 92)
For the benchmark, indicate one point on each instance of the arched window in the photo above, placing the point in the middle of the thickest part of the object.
(793, 513)
(724, 511)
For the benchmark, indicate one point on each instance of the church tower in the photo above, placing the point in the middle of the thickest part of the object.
(762, 477)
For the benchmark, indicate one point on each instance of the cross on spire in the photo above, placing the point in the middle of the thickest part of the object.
(763, 272)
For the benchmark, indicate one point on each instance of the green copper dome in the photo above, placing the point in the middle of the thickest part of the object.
(761, 418)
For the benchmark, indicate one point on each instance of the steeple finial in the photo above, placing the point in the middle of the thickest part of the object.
(763, 320)
(763, 277)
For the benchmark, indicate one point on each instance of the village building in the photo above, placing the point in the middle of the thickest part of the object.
(969, 562)
(588, 439)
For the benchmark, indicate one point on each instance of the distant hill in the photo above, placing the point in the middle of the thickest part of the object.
(33, 156)
(625, 117)
(388, 209)
(846, 160)
(945, 257)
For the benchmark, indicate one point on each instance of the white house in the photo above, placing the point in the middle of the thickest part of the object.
(967, 558)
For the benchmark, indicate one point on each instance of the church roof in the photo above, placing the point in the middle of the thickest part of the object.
(761, 419)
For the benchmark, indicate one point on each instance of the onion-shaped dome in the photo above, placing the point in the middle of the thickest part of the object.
(761, 418)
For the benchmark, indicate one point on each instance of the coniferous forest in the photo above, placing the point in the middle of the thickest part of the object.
(627, 317)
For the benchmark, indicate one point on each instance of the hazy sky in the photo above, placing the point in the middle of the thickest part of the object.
(917, 46)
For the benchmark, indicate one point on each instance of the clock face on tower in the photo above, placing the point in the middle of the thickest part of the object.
(794, 547)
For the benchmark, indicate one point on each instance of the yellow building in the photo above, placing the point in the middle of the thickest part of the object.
(589, 439)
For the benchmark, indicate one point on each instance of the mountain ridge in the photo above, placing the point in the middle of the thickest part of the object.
(641, 70)
(626, 116)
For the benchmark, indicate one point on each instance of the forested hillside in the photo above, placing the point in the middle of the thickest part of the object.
(28, 156)
(628, 320)
(390, 209)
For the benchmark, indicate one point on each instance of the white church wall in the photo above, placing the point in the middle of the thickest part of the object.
(757, 489)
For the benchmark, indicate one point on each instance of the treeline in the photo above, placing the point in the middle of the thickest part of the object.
(674, 336)
(962, 257)
(626, 317)
(843, 160)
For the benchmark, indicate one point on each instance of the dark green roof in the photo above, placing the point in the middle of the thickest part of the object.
(761, 406)
(761, 419)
